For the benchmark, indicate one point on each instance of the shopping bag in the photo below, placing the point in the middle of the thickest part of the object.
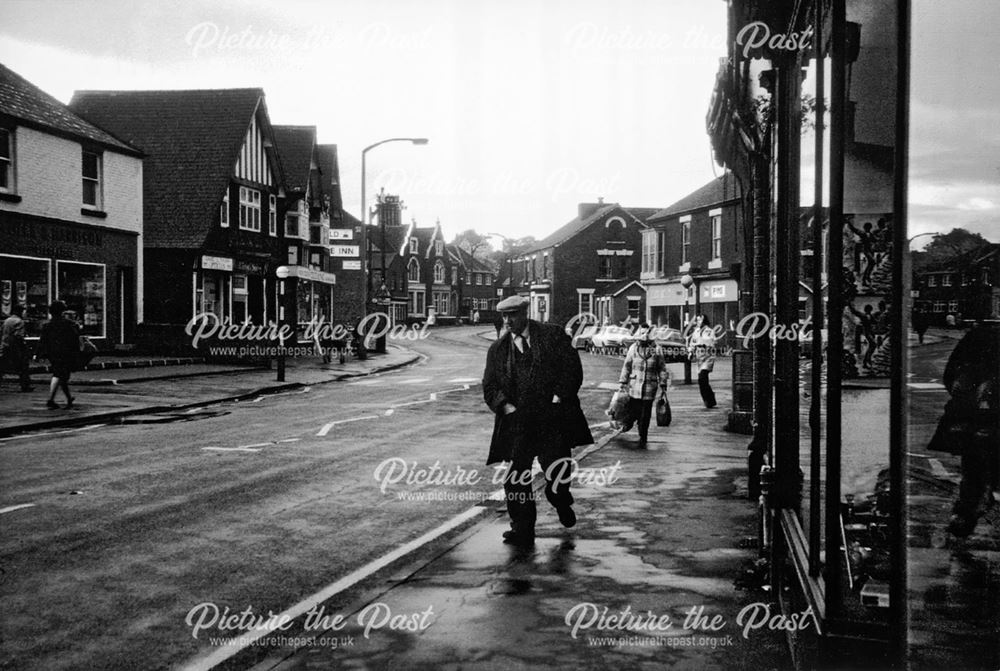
(618, 409)
(88, 350)
(663, 414)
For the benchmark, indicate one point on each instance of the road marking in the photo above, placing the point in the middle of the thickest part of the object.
(412, 380)
(938, 469)
(289, 440)
(226, 652)
(247, 447)
(11, 509)
(403, 405)
(231, 449)
(929, 386)
(456, 380)
(326, 428)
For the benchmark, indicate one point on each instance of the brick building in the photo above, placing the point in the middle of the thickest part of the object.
(598, 249)
(698, 236)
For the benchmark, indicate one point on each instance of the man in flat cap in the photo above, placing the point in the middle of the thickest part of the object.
(532, 378)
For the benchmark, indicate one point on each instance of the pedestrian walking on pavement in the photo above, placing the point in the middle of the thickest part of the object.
(701, 349)
(60, 344)
(969, 425)
(644, 373)
(14, 355)
(531, 382)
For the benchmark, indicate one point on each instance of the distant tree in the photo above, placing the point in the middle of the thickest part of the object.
(476, 244)
(944, 247)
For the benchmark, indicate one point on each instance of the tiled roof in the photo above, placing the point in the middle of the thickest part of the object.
(718, 191)
(295, 147)
(618, 287)
(27, 103)
(577, 224)
(395, 237)
(191, 140)
(472, 263)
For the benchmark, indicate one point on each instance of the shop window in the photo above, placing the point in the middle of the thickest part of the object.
(92, 179)
(249, 209)
(7, 160)
(25, 281)
(82, 287)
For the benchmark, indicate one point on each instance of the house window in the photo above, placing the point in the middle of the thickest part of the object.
(952, 306)
(717, 236)
(648, 251)
(6, 160)
(586, 303)
(413, 271)
(476, 277)
(545, 266)
(439, 273)
(661, 250)
(946, 280)
(439, 248)
(633, 308)
(985, 277)
(413, 245)
(932, 280)
(939, 306)
(91, 179)
(292, 225)
(224, 210)
(607, 270)
(272, 215)
(685, 241)
(440, 299)
(249, 209)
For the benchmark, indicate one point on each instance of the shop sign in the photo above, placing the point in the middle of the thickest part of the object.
(345, 250)
(217, 263)
(251, 267)
(351, 265)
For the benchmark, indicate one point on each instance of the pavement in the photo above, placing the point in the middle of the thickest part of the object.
(156, 386)
(646, 579)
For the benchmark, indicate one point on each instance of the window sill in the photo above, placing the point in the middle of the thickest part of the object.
(10, 197)
(684, 267)
(715, 264)
(87, 212)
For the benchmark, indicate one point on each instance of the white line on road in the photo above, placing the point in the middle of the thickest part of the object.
(326, 428)
(246, 640)
(247, 447)
(926, 386)
(289, 440)
(403, 405)
(457, 380)
(231, 449)
(413, 380)
(10, 509)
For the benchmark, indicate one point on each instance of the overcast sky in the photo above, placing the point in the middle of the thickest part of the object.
(531, 107)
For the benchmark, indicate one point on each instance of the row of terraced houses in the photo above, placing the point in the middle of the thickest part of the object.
(142, 209)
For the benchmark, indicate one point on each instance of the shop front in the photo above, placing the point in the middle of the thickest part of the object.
(92, 269)
(667, 304)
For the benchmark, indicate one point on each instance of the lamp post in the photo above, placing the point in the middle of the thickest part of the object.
(686, 282)
(365, 219)
(282, 274)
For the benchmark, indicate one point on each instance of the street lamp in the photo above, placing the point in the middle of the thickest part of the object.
(282, 274)
(686, 282)
(366, 219)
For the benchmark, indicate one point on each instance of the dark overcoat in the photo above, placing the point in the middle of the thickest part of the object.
(555, 371)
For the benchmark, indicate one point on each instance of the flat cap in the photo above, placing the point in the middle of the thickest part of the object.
(513, 304)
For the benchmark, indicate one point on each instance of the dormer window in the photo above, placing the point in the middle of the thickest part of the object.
(249, 209)
(439, 248)
(413, 245)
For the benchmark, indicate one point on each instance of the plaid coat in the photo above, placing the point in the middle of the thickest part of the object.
(644, 371)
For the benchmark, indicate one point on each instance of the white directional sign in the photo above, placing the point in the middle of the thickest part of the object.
(345, 250)
(351, 265)
(341, 234)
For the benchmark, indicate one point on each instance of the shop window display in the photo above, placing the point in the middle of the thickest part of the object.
(82, 287)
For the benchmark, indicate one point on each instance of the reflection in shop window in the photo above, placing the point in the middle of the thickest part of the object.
(82, 287)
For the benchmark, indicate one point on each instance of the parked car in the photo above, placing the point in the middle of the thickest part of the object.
(610, 338)
(672, 343)
(582, 338)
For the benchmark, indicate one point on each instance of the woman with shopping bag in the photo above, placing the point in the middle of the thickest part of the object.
(643, 374)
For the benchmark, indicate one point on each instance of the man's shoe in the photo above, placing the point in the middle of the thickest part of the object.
(512, 537)
(52, 405)
(566, 516)
(642, 444)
